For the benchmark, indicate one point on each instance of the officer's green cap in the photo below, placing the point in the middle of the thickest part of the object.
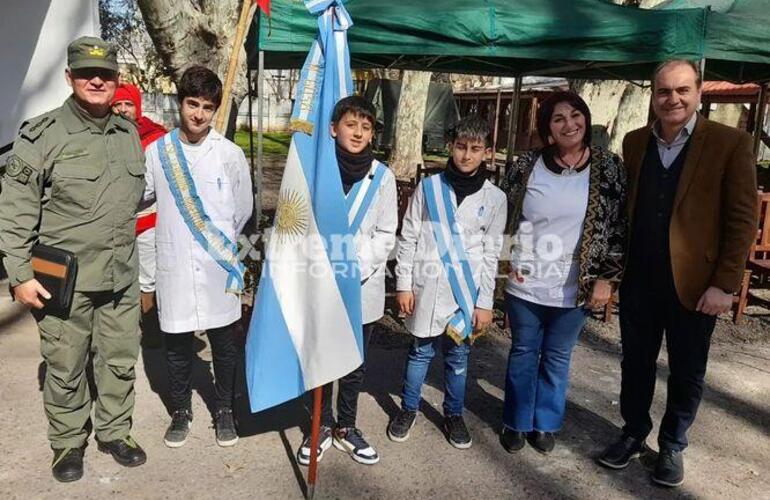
(91, 52)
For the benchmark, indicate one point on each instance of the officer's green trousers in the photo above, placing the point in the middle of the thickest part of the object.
(107, 324)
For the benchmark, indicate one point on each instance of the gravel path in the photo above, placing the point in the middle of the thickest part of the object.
(727, 459)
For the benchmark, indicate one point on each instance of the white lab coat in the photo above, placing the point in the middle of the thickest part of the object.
(145, 244)
(374, 241)
(190, 285)
(419, 269)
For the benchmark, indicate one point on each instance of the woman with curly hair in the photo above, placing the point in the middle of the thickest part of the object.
(567, 204)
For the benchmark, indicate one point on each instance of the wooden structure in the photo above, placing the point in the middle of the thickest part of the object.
(495, 105)
(747, 93)
(757, 271)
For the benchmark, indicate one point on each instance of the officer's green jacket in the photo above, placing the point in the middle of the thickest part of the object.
(74, 183)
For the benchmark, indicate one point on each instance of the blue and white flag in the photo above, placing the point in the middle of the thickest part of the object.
(306, 325)
(441, 202)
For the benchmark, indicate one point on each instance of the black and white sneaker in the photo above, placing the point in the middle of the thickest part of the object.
(324, 443)
(176, 434)
(351, 441)
(402, 423)
(457, 433)
(224, 427)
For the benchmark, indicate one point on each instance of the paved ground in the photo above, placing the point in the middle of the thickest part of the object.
(728, 458)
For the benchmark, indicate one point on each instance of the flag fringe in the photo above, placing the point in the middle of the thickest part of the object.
(301, 126)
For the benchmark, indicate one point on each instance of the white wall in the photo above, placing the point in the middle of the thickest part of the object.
(161, 108)
(276, 113)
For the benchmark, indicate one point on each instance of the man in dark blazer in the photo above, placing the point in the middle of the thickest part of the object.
(692, 210)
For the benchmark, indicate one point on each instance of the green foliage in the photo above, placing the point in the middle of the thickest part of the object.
(123, 26)
(274, 143)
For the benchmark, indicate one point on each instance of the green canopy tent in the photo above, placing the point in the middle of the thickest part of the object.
(737, 38)
(578, 38)
(575, 38)
(571, 38)
(737, 46)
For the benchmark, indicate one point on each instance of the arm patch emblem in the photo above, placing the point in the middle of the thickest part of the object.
(18, 169)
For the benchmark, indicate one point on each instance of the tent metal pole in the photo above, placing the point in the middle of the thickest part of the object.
(249, 96)
(706, 108)
(759, 119)
(260, 100)
(513, 123)
(651, 109)
(497, 126)
(252, 160)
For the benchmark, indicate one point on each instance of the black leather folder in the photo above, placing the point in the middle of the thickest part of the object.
(56, 270)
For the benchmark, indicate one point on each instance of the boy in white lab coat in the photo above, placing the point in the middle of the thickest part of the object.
(448, 250)
(374, 219)
(203, 189)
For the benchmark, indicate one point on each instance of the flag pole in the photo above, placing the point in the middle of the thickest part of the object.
(240, 33)
(315, 428)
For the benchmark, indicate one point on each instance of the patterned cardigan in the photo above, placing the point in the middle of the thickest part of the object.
(603, 242)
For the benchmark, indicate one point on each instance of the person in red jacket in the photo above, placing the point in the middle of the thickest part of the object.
(128, 102)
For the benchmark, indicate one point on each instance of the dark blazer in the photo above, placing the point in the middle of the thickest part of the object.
(714, 218)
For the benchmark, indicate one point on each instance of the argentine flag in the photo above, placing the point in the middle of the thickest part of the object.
(306, 326)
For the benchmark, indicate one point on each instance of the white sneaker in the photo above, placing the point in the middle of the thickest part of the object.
(324, 443)
(351, 441)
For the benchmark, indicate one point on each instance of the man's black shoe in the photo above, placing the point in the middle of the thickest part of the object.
(542, 441)
(619, 454)
(512, 440)
(67, 464)
(669, 469)
(125, 451)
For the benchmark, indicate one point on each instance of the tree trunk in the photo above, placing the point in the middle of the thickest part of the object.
(632, 114)
(187, 32)
(407, 150)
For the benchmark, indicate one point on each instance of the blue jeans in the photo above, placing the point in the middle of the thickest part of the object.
(542, 339)
(455, 372)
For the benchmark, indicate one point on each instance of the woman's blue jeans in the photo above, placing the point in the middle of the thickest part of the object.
(542, 339)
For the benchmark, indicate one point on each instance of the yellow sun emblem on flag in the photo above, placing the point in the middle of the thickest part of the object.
(291, 219)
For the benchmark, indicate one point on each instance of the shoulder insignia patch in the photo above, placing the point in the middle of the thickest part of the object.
(18, 169)
(33, 129)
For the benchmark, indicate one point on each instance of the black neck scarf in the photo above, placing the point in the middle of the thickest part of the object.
(353, 166)
(465, 184)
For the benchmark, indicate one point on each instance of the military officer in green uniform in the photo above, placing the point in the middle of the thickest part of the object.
(73, 181)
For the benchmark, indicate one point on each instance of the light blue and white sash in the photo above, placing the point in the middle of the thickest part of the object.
(361, 195)
(209, 236)
(442, 205)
